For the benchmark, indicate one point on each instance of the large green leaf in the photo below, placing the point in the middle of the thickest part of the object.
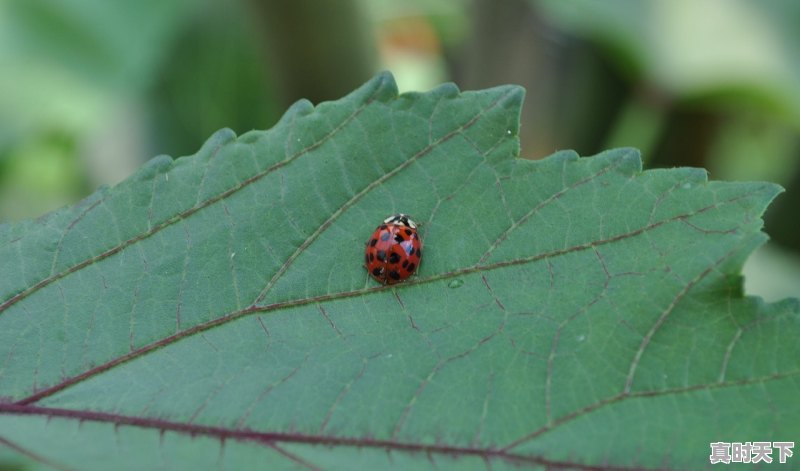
(212, 312)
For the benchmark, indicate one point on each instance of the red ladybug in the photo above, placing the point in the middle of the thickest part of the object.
(394, 251)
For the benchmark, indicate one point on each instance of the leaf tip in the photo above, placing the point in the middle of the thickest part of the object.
(158, 164)
(772, 190)
(384, 80)
(299, 108)
(381, 87)
(514, 95)
(767, 192)
(630, 160)
(446, 90)
(218, 139)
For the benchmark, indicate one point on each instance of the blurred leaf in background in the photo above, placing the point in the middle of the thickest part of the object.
(216, 77)
(77, 69)
(98, 87)
(715, 71)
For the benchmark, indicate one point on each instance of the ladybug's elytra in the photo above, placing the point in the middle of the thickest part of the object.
(394, 251)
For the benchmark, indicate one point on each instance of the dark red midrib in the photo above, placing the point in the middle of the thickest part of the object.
(267, 438)
(41, 394)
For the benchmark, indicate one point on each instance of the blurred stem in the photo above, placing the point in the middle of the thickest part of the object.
(574, 94)
(687, 139)
(320, 49)
(507, 46)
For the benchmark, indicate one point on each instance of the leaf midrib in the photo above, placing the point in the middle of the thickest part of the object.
(269, 438)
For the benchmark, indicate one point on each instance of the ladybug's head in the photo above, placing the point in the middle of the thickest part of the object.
(402, 220)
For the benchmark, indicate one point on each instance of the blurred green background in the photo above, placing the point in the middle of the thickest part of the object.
(90, 89)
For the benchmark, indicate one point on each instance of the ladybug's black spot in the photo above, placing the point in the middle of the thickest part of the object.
(419, 252)
(411, 250)
(398, 238)
(411, 267)
(373, 242)
(394, 258)
(371, 257)
(405, 263)
(381, 255)
(385, 236)
(409, 232)
(377, 271)
(394, 275)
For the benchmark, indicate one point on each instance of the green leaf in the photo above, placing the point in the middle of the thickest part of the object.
(71, 58)
(212, 312)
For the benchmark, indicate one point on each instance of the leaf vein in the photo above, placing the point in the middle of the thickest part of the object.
(271, 438)
(182, 215)
(40, 394)
(639, 395)
(364, 191)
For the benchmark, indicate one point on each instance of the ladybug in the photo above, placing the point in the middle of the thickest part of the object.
(394, 251)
